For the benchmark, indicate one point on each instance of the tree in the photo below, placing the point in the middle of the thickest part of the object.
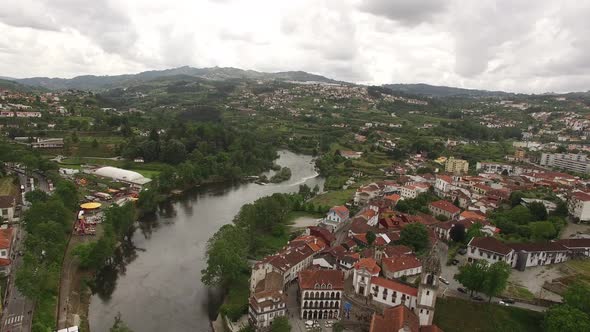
(457, 233)
(173, 152)
(542, 230)
(561, 209)
(36, 196)
(565, 318)
(371, 237)
(496, 279)
(119, 325)
(473, 275)
(280, 324)
(94, 143)
(538, 211)
(442, 217)
(515, 198)
(578, 296)
(415, 236)
(226, 256)
(147, 201)
(74, 137)
(68, 193)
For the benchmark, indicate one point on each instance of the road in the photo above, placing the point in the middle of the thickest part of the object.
(448, 272)
(17, 315)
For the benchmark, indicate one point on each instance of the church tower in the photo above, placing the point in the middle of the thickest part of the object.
(428, 288)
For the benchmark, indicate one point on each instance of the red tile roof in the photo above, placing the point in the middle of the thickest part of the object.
(394, 197)
(315, 279)
(397, 250)
(490, 244)
(368, 264)
(446, 206)
(394, 285)
(400, 263)
(399, 318)
(6, 238)
(467, 214)
(546, 246)
(445, 178)
(5, 261)
(341, 211)
(575, 243)
(581, 196)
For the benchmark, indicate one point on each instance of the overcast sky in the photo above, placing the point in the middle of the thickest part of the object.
(525, 46)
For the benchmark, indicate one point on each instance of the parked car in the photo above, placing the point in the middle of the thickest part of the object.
(443, 280)
(455, 261)
(462, 290)
(503, 303)
(477, 298)
(462, 251)
(509, 301)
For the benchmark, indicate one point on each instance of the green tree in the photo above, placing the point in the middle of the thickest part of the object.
(371, 237)
(565, 318)
(94, 143)
(542, 230)
(148, 201)
(496, 279)
(36, 196)
(68, 193)
(173, 152)
(74, 137)
(226, 257)
(538, 211)
(280, 324)
(457, 233)
(119, 325)
(578, 296)
(415, 236)
(473, 275)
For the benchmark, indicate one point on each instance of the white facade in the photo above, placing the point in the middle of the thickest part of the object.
(321, 304)
(427, 298)
(407, 272)
(579, 208)
(263, 310)
(474, 253)
(392, 297)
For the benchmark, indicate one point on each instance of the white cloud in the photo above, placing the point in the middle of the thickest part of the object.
(511, 45)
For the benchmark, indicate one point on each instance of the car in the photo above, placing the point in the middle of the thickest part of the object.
(477, 298)
(462, 290)
(503, 303)
(509, 301)
(462, 251)
(455, 261)
(443, 280)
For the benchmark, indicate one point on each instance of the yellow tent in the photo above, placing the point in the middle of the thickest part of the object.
(90, 206)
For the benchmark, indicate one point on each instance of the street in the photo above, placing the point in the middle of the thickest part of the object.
(18, 310)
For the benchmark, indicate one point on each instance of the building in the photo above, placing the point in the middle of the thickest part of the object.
(350, 154)
(428, 289)
(399, 319)
(364, 270)
(456, 166)
(576, 247)
(412, 191)
(578, 205)
(320, 293)
(535, 254)
(267, 302)
(6, 240)
(7, 208)
(49, 143)
(397, 266)
(443, 184)
(338, 214)
(491, 250)
(444, 208)
(391, 293)
(289, 261)
(519, 154)
(134, 179)
(578, 163)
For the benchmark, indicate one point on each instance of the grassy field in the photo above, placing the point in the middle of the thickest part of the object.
(332, 198)
(456, 315)
(580, 267)
(517, 291)
(298, 214)
(7, 186)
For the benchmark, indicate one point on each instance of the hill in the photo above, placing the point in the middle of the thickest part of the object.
(14, 86)
(92, 82)
(443, 91)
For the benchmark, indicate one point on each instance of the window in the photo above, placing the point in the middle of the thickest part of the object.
(427, 292)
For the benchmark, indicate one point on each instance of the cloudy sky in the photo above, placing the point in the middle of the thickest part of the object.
(525, 46)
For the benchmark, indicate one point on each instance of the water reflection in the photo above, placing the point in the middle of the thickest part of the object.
(154, 280)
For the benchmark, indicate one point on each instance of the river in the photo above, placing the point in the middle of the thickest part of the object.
(157, 283)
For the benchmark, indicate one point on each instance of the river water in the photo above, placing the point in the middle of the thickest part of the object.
(156, 285)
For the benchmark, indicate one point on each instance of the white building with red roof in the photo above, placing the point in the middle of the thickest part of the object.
(393, 293)
(578, 205)
(397, 266)
(364, 270)
(491, 250)
(320, 293)
(444, 208)
(6, 240)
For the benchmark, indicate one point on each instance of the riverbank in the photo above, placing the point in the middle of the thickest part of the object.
(157, 284)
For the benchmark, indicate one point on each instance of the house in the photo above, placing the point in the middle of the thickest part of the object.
(475, 215)
(443, 184)
(444, 208)
(399, 319)
(350, 154)
(412, 191)
(337, 215)
(366, 193)
(534, 254)
(321, 233)
(289, 261)
(320, 293)
(396, 250)
(491, 250)
(364, 270)
(267, 302)
(392, 199)
(395, 267)
(6, 240)
(456, 166)
(7, 208)
(578, 206)
(49, 143)
(576, 247)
